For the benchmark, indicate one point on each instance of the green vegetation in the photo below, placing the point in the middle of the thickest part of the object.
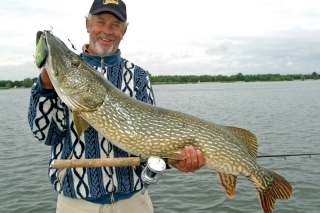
(182, 79)
(14, 84)
(178, 79)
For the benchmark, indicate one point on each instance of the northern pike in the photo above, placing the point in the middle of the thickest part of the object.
(146, 130)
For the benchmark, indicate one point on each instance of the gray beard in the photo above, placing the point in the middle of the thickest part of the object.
(101, 51)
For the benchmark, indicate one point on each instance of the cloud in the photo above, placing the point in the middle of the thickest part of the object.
(249, 36)
(19, 71)
(220, 48)
(289, 64)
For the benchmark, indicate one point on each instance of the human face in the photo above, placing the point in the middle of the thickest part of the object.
(105, 33)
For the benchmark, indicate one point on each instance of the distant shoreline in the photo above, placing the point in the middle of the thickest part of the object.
(205, 82)
(227, 82)
(194, 79)
(6, 88)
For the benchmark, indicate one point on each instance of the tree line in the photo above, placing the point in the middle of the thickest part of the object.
(180, 79)
(28, 82)
(233, 78)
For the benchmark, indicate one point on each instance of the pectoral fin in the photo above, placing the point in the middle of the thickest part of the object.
(228, 183)
(80, 124)
(174, 158)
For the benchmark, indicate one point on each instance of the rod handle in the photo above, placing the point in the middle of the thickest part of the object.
(106, 162)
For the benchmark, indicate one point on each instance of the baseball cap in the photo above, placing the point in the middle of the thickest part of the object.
(117, 7)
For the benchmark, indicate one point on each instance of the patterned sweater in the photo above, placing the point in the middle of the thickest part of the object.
(51, 123)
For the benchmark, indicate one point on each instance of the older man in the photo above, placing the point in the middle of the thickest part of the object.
(108, 189)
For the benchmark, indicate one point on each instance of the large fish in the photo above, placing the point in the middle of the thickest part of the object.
(146, 130)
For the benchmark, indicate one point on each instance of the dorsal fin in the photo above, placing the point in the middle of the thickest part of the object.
(248, 138)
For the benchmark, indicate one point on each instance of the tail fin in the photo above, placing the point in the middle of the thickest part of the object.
(280, 188)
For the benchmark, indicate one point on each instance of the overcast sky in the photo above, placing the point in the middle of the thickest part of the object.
(177, 37)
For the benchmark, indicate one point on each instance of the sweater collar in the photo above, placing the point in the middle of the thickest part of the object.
(96, 59)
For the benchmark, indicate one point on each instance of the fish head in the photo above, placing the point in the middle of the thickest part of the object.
(78, 84)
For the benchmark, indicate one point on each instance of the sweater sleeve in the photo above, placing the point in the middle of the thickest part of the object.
(46, 115)
(151, 99)
(143, 87)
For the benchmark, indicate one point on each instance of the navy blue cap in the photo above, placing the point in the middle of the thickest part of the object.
(117, 7)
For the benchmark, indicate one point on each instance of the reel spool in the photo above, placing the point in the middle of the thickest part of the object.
(152, 172)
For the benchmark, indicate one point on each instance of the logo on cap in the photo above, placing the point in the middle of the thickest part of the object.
(110, 2)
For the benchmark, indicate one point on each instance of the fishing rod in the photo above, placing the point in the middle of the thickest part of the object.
(135, 161)
(153, 166)
(288, 155)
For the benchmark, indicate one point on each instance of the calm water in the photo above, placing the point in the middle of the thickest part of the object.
(285, 116)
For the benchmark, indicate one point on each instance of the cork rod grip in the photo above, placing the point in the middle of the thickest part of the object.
(107, 162)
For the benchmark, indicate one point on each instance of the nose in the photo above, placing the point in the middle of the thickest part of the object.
(107, 30)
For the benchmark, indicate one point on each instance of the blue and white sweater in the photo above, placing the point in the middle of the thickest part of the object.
(52, 123)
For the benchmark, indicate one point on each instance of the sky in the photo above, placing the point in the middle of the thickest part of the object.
(179, 37)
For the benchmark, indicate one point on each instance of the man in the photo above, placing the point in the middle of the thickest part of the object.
(107, 189)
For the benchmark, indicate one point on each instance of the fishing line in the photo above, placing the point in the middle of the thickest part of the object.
(72, 45)
(287, 155)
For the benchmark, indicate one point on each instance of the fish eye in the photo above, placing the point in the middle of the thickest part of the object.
(75, 63)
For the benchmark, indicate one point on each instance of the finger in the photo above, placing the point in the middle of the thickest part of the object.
(194, 158)
(201, 159)
(182, 163)
(188, 160)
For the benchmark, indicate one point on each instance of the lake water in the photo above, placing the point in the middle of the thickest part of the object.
(285, 116)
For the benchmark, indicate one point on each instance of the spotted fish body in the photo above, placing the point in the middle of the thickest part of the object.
(146, 130)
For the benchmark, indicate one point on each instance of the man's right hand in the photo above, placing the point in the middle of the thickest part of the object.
(45, 80)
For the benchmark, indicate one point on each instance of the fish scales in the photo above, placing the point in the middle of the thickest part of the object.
(168, 139)
(146, 130)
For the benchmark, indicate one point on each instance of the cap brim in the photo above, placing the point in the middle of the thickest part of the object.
(116, 13)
